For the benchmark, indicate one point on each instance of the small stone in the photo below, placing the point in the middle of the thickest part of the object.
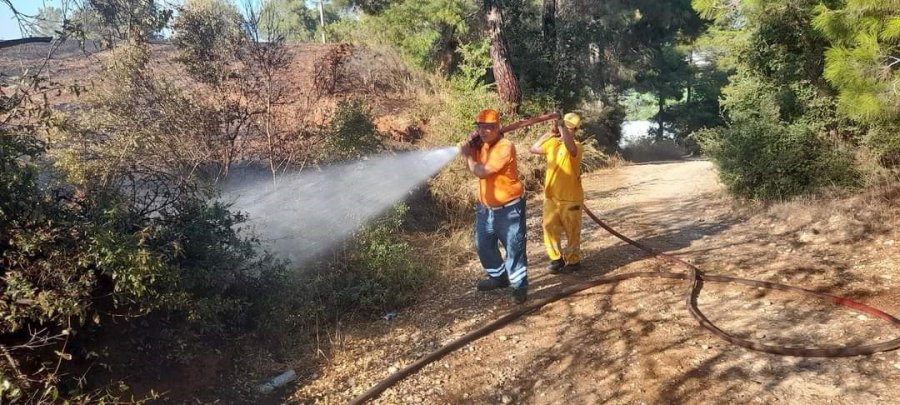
(862, 318)
(392, 370)
(506, 399)
(503, 338)
(705, 347)
(897, 366)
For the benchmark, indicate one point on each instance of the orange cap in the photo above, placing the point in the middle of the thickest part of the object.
(488, 116)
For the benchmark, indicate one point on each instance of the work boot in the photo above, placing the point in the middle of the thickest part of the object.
(520, 295)
(491, 283)
(556, 265)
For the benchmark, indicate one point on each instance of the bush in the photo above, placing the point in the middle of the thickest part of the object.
(382, 273)
(762, 159)
(884, 143)
(216, 274)
(116, 219)
(439, 25)
(605, 126)
(351, 134)
(648, 149)
(374, 272)
(209, 38)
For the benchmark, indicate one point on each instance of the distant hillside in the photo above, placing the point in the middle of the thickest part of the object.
(319, 76)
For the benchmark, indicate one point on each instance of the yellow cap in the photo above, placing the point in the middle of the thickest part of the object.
(572, 120)
(488, 116)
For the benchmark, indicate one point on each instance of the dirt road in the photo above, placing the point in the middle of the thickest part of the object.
(635, 342)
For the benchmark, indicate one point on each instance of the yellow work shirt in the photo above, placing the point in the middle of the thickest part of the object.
(503, 186)
(562, 181)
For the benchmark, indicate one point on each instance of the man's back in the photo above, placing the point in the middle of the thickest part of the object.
(562, 181)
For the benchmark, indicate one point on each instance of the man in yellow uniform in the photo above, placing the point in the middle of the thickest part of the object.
(563, 194)
(500, 215)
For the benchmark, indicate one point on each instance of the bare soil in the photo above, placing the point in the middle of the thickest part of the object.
(635, 342)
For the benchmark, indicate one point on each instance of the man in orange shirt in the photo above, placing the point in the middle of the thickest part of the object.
(563, 194)
(500, 215)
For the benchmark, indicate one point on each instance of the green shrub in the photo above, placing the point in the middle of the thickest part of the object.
(884, 142)
(374, 272)
(604, 125)
(352, 133)
(762, 159)
(648, 149)
(438, 25)
(209, 37)
(473, 66)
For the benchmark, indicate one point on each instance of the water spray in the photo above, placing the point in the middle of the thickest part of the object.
(308, 213)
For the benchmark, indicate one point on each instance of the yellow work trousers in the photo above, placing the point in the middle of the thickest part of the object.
(562, 217)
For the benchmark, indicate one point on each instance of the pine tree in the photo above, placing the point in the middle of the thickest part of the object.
(864, 57)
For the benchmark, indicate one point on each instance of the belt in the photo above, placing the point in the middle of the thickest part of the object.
(511, 203)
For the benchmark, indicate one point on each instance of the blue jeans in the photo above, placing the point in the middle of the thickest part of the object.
(504, 225)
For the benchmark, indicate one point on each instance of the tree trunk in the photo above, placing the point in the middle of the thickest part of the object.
(659, 119)
(322, 18)
(503, 72)
(548, 35)
(548, 29)
(447, 50)
(690, 83)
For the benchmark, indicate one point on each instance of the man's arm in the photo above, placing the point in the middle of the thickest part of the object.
(536, 148)
(498, 157)
(569, 140)
(480, 170)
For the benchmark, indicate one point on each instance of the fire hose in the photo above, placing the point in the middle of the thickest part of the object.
(696, 278)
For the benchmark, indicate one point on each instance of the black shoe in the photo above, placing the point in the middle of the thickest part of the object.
(492, 284)
(556, 265)
(520, 295)
(571, 267)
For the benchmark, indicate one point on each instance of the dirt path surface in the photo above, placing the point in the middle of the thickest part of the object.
(635, 342)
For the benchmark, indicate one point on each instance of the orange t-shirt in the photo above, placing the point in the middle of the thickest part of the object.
(503, 186)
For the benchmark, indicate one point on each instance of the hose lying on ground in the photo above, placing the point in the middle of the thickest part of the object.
(696, 278)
